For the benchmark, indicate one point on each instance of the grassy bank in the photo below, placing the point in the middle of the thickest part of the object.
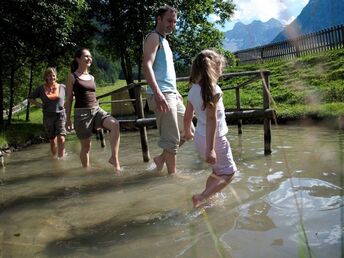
(309, 86)
(306, 87)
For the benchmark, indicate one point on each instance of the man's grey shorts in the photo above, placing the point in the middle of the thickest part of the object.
(86, 120)
(170, 123)
(55, 124)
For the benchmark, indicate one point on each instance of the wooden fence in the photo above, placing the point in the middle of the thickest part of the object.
(327, 39)
(238, 113)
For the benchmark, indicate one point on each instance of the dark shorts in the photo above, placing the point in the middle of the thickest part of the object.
(55, 124)
(86, 120)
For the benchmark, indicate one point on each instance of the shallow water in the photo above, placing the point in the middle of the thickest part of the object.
(288, 204)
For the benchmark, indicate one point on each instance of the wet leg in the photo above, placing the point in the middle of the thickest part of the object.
(85, 152)
(53, 147)
(159, 162)
(214, 185)
(170, 159)
(113, 125)
(60, 146)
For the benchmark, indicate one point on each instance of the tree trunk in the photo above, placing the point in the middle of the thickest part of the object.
(128, 74)
(30, 90)
(1, 96)
(9, 118)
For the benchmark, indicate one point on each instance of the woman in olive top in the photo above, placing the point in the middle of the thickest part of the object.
(52, 97)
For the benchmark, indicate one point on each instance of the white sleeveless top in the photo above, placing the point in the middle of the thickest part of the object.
(195, 98)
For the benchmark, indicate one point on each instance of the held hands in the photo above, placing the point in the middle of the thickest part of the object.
(210, 156)
(180, 96)
(161, 103)
(188, 135)
(69, 125)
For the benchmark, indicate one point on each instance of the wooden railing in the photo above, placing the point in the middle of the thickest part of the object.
(238, 113)
(327, 39)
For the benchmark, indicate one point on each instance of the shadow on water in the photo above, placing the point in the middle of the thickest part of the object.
(103, 183)
(121, 230)
(24, 161)
(26, 178)
(111, 232)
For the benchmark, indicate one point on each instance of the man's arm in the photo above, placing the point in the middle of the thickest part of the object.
(149, 52)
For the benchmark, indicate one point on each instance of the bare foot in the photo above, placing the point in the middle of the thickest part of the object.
(159, 162)
(115, 164)
(198, 200)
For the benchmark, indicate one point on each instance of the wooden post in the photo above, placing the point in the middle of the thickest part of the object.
(101, 137)
(267, 121)
(143, 131)
(297, 47)
(238, 104)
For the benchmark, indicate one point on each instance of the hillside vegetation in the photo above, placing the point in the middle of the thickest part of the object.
(309, 86)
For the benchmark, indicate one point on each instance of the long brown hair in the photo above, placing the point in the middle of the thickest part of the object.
(74, 64)
(206, 70)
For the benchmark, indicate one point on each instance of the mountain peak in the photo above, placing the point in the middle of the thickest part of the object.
(251, 35)
(315, 16)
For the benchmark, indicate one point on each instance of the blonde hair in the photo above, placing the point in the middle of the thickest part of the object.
(48, 71)
(206, 70)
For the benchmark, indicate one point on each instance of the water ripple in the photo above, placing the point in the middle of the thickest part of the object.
(312, 194)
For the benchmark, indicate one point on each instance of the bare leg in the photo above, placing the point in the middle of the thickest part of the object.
(159, 162)
(60, 146)
(170, 159)
(113, 125)
(214, 184)
(53, 146)
(85, 152)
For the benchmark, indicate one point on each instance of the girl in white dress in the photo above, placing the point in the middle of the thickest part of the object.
(205, 101)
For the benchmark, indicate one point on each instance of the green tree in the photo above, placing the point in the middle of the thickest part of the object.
(194, 30)
(124, 24)
(36, 31)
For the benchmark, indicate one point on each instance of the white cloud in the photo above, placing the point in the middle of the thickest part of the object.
(213, 18)
(263, 10)
(248, 10)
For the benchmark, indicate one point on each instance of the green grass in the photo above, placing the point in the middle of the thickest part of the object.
(307, 86)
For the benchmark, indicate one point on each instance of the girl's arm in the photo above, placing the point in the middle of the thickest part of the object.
(189, 113)
(69, 100)
(210, 155)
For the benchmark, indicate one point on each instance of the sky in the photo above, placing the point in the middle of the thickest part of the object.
(249, 10)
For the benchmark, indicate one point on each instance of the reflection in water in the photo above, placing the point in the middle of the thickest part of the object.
(255, 217)
(52, 208)
(311, 194)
